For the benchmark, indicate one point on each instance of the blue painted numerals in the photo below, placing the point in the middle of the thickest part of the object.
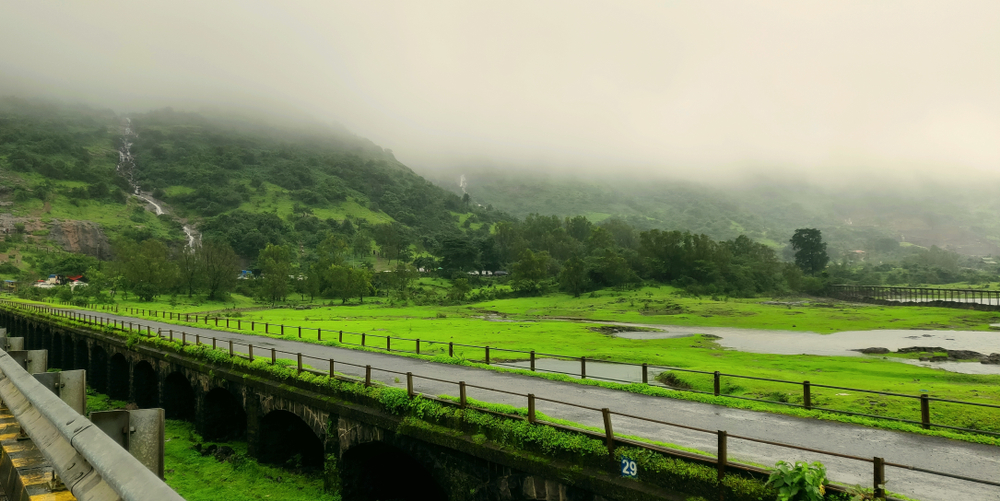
(629, 469)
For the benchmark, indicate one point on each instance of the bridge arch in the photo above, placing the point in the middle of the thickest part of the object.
(56, 351)
(178, 397)
(81, 355)
(362, 475)
(223, 417)
(118, 377)
(145, 385)
(97, 373)
(285, 438)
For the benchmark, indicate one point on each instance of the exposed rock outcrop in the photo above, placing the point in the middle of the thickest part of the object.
(993, 359)
(874, 351)
(84, 237)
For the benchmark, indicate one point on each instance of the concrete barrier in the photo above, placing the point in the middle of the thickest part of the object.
(89, 462)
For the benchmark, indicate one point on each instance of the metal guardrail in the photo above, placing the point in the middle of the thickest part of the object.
(91, 465)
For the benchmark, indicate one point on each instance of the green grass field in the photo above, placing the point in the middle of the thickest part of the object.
(531, 324)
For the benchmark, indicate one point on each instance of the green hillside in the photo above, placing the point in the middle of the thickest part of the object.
(963, 218)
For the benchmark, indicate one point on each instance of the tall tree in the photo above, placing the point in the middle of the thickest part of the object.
(220, 266)
(276, 263)
(810, 250)
(189, 269)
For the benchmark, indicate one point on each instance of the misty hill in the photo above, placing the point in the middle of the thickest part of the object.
(250, 181)
(866, 217)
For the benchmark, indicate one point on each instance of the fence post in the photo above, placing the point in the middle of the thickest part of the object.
(239, 324)
(409, 384)
(418, 346)
(267, 327)
(879, 490)
(253, 324)
(331, 368)
(340, 338)
(300, 363)
(718, 383)
(216, 321)
(462, 401)
(608, 432)
(388, 343)
(300, 332)
(362, 339)
(171, 334)
(282, 329)
(531, 408)
(645, 373)
(925, 411)
(722, 456)
(215, 344)
(184, 339)
(230, 347)
(487, 355)
(451, 349)
(583, 367)
(368, 375)
(319, 334)
(807, 395)
(532, 360)
(274, 357)
(251, 353)
(197, 339)
(227, 322)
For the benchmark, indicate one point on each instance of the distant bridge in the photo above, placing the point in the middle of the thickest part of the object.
(977, 299)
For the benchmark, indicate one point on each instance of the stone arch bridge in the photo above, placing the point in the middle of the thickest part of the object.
(365, 453)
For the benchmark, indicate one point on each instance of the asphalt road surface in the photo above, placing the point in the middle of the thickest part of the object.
(932, 453)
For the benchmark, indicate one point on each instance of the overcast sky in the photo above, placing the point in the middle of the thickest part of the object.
(693, 88)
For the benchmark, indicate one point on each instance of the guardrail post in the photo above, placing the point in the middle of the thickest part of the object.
(282, 329)
(583, 367)
(362, 339)
(879, 490)
(319, 334)
(532, 355)
(331, 368)
(267, 327)
(609, 434)
(216, 321)
(418, 346)
(300, 332)
(227, 322)
(718, 383)
(925, 411)
(368, 375)
(451, 349)
(531, 408)
(274, 358)
(239, 324)
(252, 325)
(230, 347)
(300, 363)
(251, 353)
(388, 343)
(807, 395)
(340, 338)
(409, 384)
(645, 373)
(215, 344)
(487, 355)
(184, 338)
(462, 401)
(171, 335)
(197, 339)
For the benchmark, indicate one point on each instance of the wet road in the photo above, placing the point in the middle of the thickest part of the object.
(934, 453)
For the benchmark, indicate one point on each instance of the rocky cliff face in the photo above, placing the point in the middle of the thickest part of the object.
(83, 237)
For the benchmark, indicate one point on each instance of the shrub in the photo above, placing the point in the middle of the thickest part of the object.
(801, 482)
